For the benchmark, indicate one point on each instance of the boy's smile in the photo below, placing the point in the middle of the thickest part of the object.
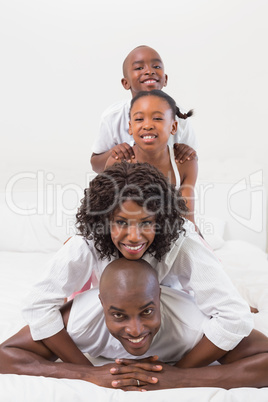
(143, 70)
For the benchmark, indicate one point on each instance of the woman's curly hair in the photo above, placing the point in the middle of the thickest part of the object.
(142, 183)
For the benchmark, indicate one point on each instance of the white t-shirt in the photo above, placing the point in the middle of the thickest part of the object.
(189, 265)
(114, 129)
(181, 327)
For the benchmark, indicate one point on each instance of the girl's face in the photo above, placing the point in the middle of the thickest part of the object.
(132, 230)
(151, 123)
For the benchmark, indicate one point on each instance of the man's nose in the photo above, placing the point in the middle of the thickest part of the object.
(134, 327)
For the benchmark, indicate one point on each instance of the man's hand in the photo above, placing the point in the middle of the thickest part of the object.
(152, 374)
(183, 152)
(127, 378)
(123, 151)
(133, 374)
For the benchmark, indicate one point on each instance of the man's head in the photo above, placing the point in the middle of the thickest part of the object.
(143, 70)
(130, 296)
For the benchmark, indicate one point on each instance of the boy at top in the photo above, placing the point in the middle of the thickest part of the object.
(143, 69)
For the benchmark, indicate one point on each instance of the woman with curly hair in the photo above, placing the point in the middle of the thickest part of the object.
(131, 210)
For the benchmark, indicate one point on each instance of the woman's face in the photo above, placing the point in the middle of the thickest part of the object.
(132, 230)
(151, 123)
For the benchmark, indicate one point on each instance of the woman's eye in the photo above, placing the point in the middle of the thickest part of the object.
(121, 223)
(146, 223)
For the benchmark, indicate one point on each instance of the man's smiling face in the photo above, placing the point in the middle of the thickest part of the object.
(131, 304)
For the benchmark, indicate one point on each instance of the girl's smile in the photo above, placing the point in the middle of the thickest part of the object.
(151, 123)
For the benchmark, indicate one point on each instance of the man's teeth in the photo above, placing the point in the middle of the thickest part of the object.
(150, 81)
(136, 340)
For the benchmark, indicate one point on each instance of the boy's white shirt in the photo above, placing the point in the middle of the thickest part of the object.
(114, 129)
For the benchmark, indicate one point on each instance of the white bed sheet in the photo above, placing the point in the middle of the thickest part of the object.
(247, 267)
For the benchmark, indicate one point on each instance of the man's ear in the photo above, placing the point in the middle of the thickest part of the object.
(130, 129)
(125, 83)
(174, 127)
(100, 299)
(166, 80)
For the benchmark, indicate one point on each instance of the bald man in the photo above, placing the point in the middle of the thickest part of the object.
(130, 315)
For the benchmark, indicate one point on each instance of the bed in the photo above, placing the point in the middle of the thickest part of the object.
(231, 215)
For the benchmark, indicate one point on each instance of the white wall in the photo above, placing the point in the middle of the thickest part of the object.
(61, 66)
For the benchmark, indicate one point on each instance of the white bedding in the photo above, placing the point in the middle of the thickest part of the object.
(248, 268)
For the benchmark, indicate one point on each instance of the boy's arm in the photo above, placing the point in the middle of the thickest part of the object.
(98, 161)
(118, 152)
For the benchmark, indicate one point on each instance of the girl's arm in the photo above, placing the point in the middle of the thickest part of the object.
(188, 174)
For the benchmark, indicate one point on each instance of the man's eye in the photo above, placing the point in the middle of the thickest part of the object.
(118, 316)
(138, 68)
(148, 311)
(157, 67)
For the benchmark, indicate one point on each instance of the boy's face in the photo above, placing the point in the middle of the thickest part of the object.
(132, 230)
(143, 71)
(133, 316)
(151, 123)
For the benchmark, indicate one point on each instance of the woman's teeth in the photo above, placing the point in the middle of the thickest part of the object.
(136, 340)
(134, 248)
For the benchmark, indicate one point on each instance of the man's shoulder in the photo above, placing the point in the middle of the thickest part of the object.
(117, 108)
